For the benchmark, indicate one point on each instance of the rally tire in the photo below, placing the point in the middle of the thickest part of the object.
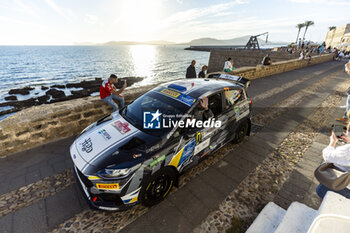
(241, 132)
(157, 187)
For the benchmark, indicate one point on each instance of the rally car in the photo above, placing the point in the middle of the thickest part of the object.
(137, 154)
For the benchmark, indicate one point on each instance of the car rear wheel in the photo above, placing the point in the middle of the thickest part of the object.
(241, 132)
(157, 187)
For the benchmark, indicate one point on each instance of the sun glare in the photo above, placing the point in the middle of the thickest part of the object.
(144, 58)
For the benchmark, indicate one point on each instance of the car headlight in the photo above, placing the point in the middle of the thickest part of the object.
(118, 173)
(111, 173)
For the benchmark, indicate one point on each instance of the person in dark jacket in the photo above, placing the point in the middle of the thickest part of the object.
(266, 60)
(191, 71)
(202, 73)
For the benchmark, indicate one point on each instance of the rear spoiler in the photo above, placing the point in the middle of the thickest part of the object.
(233, 78)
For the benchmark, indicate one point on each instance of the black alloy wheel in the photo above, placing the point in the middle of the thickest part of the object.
(158, 187)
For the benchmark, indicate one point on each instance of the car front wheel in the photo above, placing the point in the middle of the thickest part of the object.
(157, 187)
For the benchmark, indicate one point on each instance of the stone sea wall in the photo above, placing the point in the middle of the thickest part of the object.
(243, 58)
(42, 124)
(279, 67)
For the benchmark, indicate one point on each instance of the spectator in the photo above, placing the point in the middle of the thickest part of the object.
(340, 157)
(347, 67)
(308, 57)
(108, 92)
(301, 57)
(340, 55)
(191, 70)
(299, 43)
(321, 48)
(228, 67)
(201, 74)
(266, 60)
(347, 106)
(307, 45)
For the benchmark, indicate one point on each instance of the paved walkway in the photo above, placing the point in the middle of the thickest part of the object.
(183, 209)
(301, 185)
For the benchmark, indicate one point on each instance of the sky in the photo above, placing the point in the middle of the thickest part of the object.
(64, 22)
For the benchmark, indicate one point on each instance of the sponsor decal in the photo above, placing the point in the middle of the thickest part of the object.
(157, 161)
(104, 134)
(201, 146)
(122, 127)
(152, 120)
(108, 186)
(243, 111)
(198, 137)
(187, 152)
(170, 93)
(236, 109)
(86, 146)
(186, 99)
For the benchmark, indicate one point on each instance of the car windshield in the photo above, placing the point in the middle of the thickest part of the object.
(153, 102)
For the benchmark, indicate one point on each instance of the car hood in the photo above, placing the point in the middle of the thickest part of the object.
(101, 139)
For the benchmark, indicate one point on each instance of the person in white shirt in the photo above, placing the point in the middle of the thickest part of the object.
(301, 57)
(340, 157)
(228, 67)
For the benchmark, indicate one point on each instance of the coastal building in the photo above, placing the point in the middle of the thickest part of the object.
(339, 37)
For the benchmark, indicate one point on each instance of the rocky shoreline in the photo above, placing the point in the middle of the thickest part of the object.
(54, 93)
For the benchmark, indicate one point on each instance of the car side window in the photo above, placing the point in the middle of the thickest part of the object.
(215, 103)
(232, 97)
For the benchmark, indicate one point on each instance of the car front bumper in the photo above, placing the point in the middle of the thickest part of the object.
(102, 201)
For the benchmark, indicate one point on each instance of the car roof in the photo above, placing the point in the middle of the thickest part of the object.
(198, 87)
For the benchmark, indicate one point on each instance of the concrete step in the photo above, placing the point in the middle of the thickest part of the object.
(268, 219)
(297, 219)
(334, 215)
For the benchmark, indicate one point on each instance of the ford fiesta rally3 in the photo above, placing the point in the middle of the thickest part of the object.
(137, 154)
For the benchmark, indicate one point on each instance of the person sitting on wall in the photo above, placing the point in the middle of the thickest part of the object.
(191, 70)
(201, 74)
(228, 67)
(301, 57)
(266, 60)
(108, 92)
(308, 57)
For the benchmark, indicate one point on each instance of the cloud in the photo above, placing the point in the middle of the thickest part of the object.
(91, 19)
(180, 1)
(58, 10)
(195, 13)
(326, 2)
(26, 8)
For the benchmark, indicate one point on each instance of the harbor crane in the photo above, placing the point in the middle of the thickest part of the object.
(253, 42)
